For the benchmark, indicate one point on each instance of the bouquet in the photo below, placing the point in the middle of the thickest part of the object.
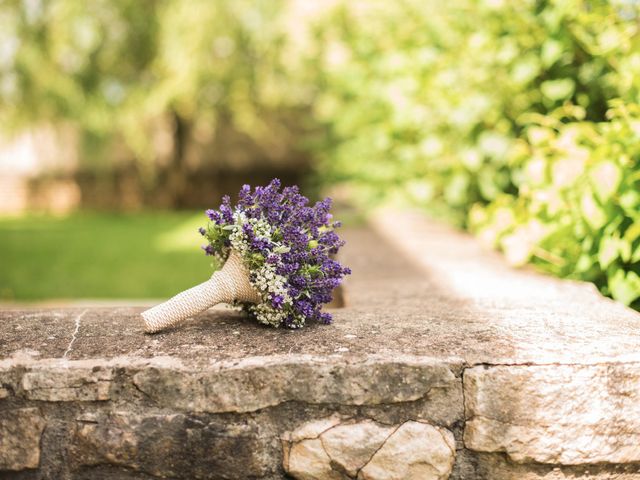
(278, 260)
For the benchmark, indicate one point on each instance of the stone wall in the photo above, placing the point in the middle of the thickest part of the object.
(162, 418)
(427, 373)
(317, 418)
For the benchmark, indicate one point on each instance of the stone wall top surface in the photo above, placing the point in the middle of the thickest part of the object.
(418, 289)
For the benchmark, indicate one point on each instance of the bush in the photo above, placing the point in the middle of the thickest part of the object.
(519, 117)
(577, 213)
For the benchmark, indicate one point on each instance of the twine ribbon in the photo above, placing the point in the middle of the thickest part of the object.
(227, 285)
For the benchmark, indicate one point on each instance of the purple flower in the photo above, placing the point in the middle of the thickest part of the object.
(214, 216)
(208, 249)
(202, 231)
(225, 210)
(272, 259)
(260, 244)
(277, 301)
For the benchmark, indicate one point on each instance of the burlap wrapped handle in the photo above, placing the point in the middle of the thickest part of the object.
(227, 285)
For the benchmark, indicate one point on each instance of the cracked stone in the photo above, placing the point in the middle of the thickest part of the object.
(351, 446)
(313, 429)
(74, 335)
(370, 451)
(555, 414)
(20, 432)
(416, 451)
(308, 460)
(66, 385)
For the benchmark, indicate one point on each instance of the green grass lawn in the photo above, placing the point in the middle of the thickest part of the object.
(149, 255)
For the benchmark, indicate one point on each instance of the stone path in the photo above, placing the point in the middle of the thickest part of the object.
(443, 357)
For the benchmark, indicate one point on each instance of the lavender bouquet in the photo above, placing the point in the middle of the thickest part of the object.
(277, 253)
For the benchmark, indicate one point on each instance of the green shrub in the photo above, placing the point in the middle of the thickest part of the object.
(577, 212)
(460, 103)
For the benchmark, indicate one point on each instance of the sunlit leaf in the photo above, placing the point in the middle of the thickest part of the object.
(558, 89)
(625, 287)
(605, 177)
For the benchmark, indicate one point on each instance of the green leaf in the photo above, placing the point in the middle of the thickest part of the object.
(525, 70)
(608, 251)
(558, 89)
(591, 211)
(256, 260)
(624, 248)
(584, 263)
(551, 51)
(632, 233)
(282, 249)
(456, 190)
(605, 177)
(630, 201)
(625, 288)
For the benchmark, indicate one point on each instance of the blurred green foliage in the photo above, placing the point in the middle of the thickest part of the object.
(577, 212)
(516, 119)
(151, 83)
(520, 117)
(111, 66)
